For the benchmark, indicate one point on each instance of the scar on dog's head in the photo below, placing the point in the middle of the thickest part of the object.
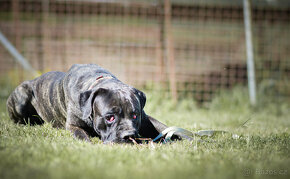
(116, 113)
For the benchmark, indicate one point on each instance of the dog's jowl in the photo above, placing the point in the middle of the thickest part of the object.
(88, 101)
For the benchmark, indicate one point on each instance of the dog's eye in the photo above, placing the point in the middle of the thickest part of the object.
(110, 118)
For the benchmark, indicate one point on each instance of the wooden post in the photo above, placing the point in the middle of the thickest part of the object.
(44, 33)
(39, 38)
(170, 49)
(17, 38)
(160, 45)
(12, 49)
(15, 15)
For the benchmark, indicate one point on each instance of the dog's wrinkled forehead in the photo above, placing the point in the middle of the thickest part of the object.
(123, 99)
(130, 100)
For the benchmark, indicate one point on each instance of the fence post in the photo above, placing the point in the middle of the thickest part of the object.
(249, 49)
(16, 34)
(170, 49)
(160, 45)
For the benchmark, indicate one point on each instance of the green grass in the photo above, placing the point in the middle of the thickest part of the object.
(262, 151)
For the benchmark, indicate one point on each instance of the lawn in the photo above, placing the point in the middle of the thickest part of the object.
(261, 151)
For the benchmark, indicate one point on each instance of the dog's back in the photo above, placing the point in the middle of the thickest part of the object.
(31, 101)
(45, 98)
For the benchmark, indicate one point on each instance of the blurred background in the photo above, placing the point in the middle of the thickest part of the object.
(191, 48)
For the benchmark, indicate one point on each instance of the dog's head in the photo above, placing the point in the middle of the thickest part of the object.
(115, 113)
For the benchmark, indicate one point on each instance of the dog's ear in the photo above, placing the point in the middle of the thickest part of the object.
(86, 101)
(142, 98)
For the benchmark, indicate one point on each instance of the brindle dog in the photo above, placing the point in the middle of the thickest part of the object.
(87, 100)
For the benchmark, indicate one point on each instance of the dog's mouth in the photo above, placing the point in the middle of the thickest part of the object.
(133, 140)
(129, 140)
(125, 137)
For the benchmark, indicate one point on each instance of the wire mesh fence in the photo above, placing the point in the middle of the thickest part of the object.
(196, 47)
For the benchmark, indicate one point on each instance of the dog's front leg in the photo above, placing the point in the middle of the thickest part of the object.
(76, 126)
(78, 132)
(159, 126)
(150, 127)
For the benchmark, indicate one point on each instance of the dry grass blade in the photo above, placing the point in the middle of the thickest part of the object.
(134, 141)
(143, 139)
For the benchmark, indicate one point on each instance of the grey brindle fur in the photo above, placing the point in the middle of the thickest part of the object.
(83, 100)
